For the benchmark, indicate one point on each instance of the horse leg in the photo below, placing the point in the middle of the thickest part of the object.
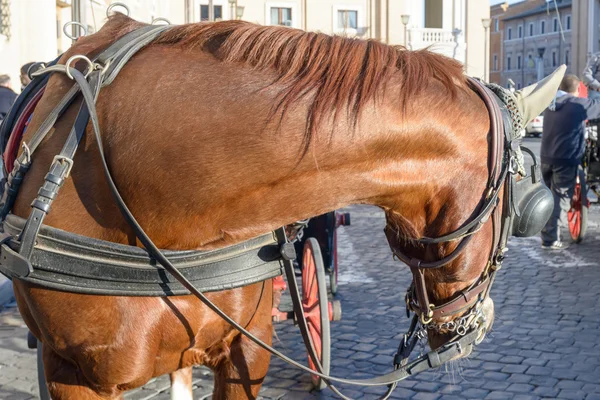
(240, 376)
(65, 381)
(181, 384)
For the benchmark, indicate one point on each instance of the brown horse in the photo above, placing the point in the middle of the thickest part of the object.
(217, 133)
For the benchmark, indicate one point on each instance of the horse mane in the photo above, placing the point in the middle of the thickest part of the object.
(338, 73)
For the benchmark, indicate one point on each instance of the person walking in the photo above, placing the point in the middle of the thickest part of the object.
(7, 96)
(563, 145)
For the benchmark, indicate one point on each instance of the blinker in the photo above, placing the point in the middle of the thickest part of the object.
(533, 202)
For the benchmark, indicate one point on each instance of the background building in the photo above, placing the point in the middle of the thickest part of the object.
(531, 38)
(32, 30)
(536, 42)
(586, 27)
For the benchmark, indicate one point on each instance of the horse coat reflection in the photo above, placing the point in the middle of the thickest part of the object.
(216, 133)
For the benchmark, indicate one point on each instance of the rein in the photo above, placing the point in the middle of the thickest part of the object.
(105, 68)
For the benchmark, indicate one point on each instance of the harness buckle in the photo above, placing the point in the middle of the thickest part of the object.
(67, 161)
(426, 319)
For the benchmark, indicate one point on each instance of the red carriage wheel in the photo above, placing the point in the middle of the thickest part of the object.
(578, 214)
(316, 306)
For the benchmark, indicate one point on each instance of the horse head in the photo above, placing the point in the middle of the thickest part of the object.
(453, 249)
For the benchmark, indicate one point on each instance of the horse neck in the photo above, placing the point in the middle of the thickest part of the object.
(195, 181)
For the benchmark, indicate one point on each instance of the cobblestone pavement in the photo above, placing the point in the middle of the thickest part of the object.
(545, 341)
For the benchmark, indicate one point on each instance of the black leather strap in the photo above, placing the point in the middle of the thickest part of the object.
(78, 264)
(58, 171)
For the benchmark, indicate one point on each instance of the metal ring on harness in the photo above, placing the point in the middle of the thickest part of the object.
(113, 5)
(41, 65)
(79, 24)
(75, 57)
(160, 19)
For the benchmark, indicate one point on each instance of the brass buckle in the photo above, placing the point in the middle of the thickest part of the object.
(427, 319)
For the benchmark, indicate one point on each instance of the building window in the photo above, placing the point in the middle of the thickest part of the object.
(555, 24)
(509, 33)
(542, 27)
(568, 22)
(518, 85)
(519, 62)
(531, 29)
(508, 63)
(495, 62)
(554, 58)
(520, 31)
(281, 16)
(497, 22)
(5, 18)
(217, 10)
(347, 19)
(566, 57)
(530, 62)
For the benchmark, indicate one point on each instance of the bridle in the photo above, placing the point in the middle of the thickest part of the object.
(102, 70)
(465, 309)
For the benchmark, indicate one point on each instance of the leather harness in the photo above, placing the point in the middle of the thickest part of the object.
(29, 243)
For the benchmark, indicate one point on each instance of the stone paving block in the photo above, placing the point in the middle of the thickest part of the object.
(546, 391)
(495, 385)
(591, 378)
(495, 376)
(592, 387)
(489, 356)
(526, 397)
(539, 362)
(514, 369)
(520, 378)
(564, 373)
(511, 359)
(499, 395)
(543, 381)
(570, 385)
(535, 370)
(520, 388)
(571, 394)
(426, 396)
(403, 393)
(492, 366)
(364, 347)
(427, 387)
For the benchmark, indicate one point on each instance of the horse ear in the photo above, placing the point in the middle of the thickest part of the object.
(534, 99)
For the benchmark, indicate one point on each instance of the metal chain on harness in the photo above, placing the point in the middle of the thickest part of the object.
(517, 122)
